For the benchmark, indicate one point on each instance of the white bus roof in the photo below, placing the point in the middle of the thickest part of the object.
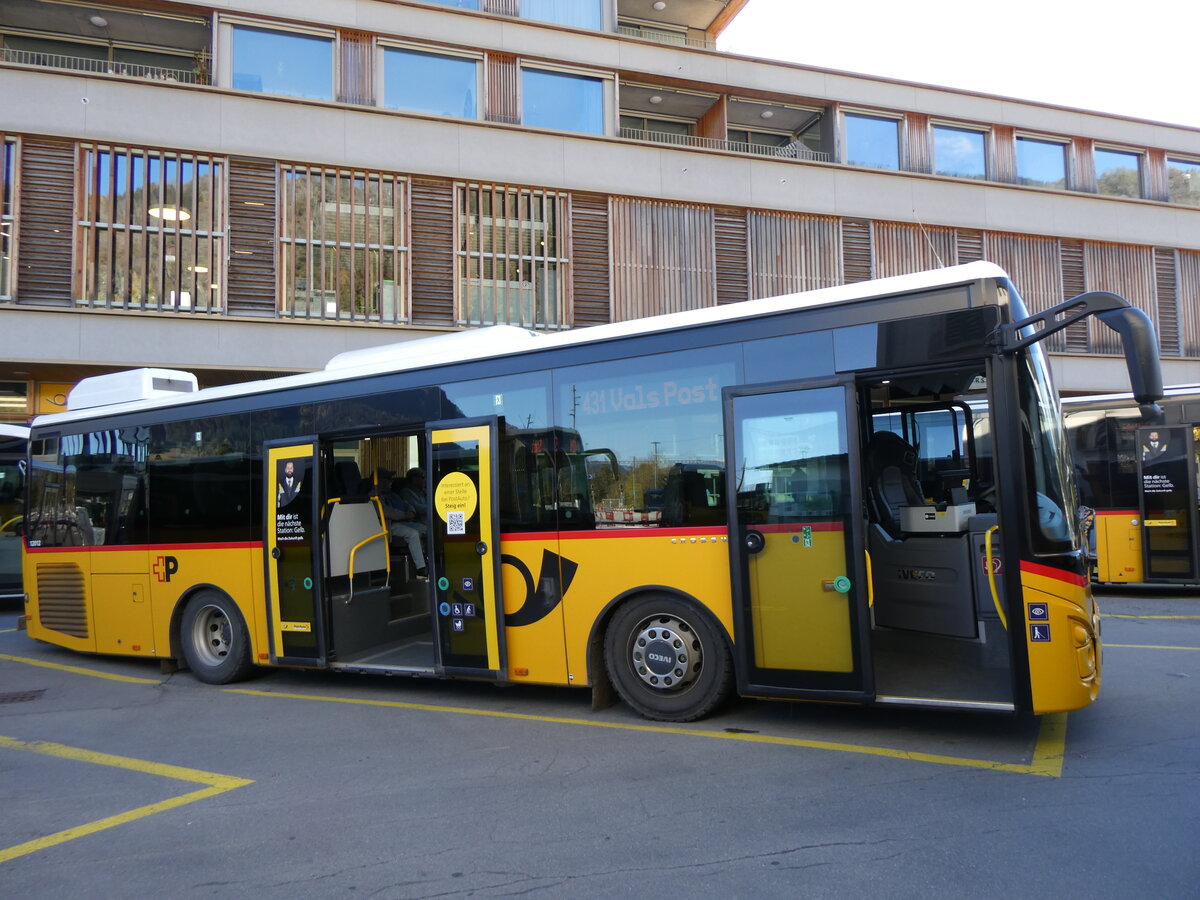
(13, 431)
(501, 340)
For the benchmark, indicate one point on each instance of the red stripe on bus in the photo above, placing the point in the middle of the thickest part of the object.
(116, 548)
(1050, 572)
(612, 533)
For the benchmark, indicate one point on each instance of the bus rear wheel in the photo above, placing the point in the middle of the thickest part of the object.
(214, 639)
(667, 659)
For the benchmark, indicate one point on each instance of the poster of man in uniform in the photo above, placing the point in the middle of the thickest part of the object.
(291, 472)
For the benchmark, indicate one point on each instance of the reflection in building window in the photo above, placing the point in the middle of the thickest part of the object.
(872, 141)
(151, 232)
(511, 256)
(576, 13)
(1118, 173)
(431, 83)
(343, 244)
(960, 152)
(562, 101)
(1041, 163)
(1183, 181)
(8, 209)
(278, 62)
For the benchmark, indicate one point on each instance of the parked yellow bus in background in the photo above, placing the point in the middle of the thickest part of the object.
(1141, 475)
(13, 451)
(676, 508)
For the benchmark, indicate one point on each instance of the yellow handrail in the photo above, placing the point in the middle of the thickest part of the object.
(991, 571)
(870, 582)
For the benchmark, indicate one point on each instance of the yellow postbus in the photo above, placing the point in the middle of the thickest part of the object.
(1140, 473)
(13, 450)
(673, 509)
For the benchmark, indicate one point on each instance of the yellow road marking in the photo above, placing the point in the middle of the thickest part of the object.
(79, 670)
(1149, 646)
(1047, 754)
(6, 630)
(214, 784)
(1128, 616)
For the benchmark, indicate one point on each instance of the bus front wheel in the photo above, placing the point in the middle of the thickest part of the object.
(214, 639)
(667, 660)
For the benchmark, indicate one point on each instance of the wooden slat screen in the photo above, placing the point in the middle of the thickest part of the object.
(1077, 337)
(432, 254)
(968, 245)
(356, 73)
(1004, 153)
(1166, 286)
(1189, 302)
(901, 248)
(663, 258)
(46, 178)
(502, 88)
(250, 280)
(791, 252)
(590, 287)
(730, 230)
(857, 263)
(1124, 270)
(1033, 264)
(919, 150)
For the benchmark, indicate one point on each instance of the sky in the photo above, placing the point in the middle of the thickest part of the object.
(1133, 61)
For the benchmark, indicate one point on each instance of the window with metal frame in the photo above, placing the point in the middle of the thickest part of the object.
(512, 263)
(1042, 162)
(343, 238)
(1118, 172)
(1183, 181)
(8, 214)
(151, 231)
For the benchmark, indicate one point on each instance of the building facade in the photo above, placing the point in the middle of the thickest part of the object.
(227, 188)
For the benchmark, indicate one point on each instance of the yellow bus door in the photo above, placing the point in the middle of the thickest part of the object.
(291, 544)
(464, 544)
(799, 578)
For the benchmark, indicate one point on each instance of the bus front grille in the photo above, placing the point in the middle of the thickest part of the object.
(62, 604)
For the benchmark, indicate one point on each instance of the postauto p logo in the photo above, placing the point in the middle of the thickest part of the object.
(165, 567)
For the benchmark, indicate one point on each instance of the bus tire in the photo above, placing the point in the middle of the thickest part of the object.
(667, 659)
(214, 639)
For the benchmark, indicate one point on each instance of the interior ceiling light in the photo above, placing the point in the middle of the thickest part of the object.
(98, 21)
(767, 114)
(660, 5)
(655, 99)
(170, 213)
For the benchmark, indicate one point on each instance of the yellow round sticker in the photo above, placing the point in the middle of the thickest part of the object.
(455, 494)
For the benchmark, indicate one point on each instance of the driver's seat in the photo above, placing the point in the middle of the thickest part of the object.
(891, 466)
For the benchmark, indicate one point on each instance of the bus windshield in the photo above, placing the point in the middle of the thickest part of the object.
(1051, 489)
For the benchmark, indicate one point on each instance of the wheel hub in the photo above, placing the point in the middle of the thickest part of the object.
(666, 653)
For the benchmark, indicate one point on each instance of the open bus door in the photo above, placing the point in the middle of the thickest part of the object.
(291, 544)
(799, 577)
(464, 545)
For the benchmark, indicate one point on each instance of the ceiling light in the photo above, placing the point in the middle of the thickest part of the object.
(660, 5)
(98, 21)
(170, 213)
(767, 114)
(655, 99)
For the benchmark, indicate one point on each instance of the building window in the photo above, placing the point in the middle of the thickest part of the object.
(1183, 181)
(666, 131)
(280, 62)
(576, 13)
(872, 141)
(1041, 163)
(562, 101)
(511, 256)
(959, 152)
(8, 209)
(151, 233)
(747, 141)
(1118, 173)
(422, 82)
(343, 239)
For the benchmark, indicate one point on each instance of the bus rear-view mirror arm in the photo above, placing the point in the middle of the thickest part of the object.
(1134, 326)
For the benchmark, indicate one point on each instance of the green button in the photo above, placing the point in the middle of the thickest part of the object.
(443, 583)
(841, 584)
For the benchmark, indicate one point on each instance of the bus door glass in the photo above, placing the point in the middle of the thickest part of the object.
(293, 564)
(1168, 498)
(464, 544)
(799, 581)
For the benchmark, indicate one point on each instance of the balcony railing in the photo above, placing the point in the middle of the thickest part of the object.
(103, 66)
(666, 37)
(794, 150)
